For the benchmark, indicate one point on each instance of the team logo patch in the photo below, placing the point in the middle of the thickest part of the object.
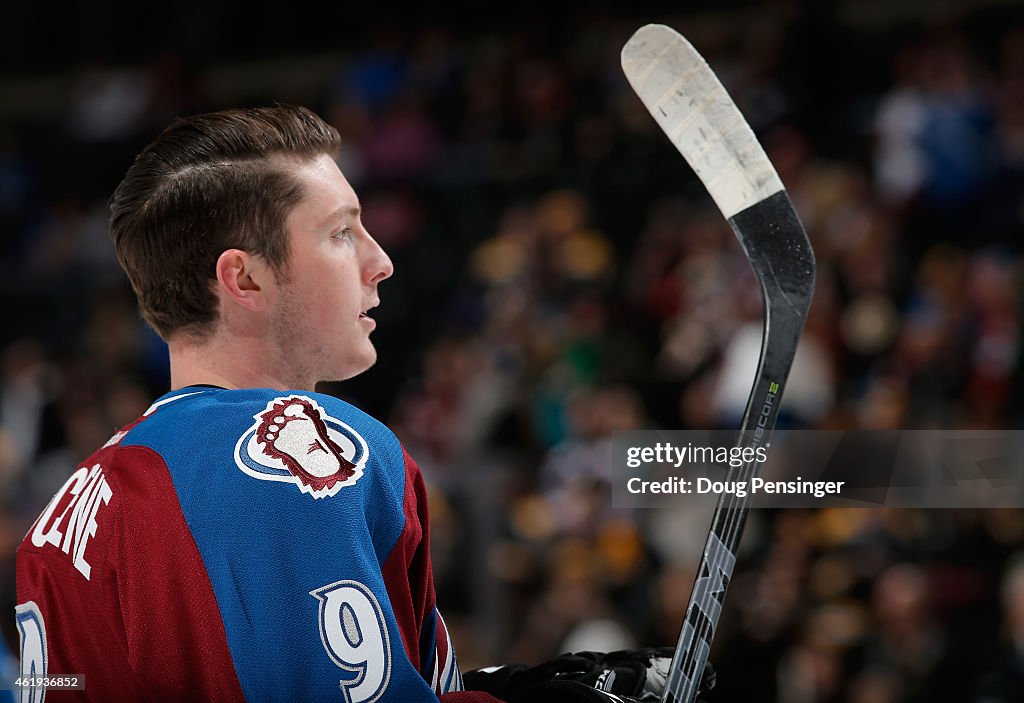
(295, 441)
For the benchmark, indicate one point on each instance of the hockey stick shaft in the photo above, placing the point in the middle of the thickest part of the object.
(697, 114)
(782, 331)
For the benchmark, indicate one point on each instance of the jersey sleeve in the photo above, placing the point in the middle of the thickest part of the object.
(409, 573)
(128, 610)
(409, 576)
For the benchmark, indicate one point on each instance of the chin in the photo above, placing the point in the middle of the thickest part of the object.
(354, 367)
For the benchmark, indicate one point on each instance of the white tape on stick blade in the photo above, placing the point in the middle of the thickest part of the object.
(687, 100)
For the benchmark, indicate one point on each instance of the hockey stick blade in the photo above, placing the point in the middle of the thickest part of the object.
(690, 105)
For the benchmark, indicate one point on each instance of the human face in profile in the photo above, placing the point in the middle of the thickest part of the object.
(321, 319)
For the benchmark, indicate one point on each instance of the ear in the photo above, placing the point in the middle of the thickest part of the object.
(242, 278)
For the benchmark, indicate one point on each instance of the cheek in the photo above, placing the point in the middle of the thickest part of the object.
(307, 303)
(331, 291)
(333, 303)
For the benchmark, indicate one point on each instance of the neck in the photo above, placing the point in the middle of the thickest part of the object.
(228, 365)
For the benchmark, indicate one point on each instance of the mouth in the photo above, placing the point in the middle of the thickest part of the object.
(365, 314)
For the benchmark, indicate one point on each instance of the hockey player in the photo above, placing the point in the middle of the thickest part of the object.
(248, 538)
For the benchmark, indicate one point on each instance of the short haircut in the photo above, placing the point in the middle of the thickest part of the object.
(209, 183)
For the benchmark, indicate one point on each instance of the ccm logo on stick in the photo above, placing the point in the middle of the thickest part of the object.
(71, 531)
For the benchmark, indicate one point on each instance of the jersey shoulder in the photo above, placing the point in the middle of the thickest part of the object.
(315, 441)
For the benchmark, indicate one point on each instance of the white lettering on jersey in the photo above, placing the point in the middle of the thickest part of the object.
(77, 524)
(47, 533)
(355, 635)
(115, 439)
(32, 630)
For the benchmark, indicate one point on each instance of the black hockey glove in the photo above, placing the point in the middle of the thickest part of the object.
(629, 675)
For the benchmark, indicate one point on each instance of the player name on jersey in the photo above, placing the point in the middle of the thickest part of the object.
(82, 497)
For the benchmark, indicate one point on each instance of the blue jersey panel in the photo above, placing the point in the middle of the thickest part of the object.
(295, 501)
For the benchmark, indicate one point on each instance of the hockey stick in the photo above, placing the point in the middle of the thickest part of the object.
(690, 105)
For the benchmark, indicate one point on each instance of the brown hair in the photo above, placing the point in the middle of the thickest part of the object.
(209, 183)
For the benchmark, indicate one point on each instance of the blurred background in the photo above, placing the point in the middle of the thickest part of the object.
(561, 275)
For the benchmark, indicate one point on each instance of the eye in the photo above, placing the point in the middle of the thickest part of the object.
(345, 233)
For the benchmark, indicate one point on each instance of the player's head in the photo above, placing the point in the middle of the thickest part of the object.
(243, 217)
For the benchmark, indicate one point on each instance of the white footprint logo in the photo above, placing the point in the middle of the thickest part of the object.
(293, 431)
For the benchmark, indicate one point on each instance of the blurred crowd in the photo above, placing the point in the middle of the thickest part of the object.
(561, 276)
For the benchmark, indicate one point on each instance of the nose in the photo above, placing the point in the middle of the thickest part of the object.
(377, 264)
